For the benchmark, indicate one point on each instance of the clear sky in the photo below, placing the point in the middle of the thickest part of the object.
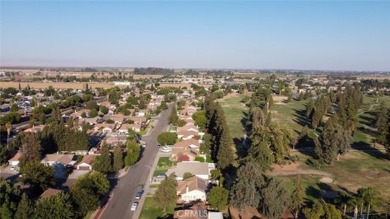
(326, 35)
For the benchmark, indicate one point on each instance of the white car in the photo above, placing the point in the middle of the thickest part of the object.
(134, 206)
(166, 150)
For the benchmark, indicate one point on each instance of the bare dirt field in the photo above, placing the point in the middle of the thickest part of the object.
(279, 99)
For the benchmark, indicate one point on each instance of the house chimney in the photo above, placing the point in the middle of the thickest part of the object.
(187, 189)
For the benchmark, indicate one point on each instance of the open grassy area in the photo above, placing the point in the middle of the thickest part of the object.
(355, 170)
(164, 162)
(150, 210)
(234, 111)
(310, 185)
(287, 115)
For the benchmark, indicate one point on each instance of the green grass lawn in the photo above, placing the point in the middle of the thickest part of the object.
(160, 171)
(356, 170)
(286, 114)
(164, 162)
(309, 183)
(234, 111)
(151, 211)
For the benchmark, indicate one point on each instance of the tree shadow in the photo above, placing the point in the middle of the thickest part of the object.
(301, 117)
(366, 148)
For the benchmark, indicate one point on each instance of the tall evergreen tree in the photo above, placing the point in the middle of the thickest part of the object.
(118, 159)
(132, 153)
(297, 197)
(309, 109)
(275, 199)
(103, 163)
(173, 118)
(334, 140)
(31, 149)
(24, 208)
(225, 156)
(244, 192)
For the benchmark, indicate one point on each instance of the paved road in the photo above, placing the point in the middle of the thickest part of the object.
(123, 195)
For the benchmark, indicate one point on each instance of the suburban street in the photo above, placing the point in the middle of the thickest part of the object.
(124, 192)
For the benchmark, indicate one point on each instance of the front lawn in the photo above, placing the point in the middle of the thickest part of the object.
(150, 210)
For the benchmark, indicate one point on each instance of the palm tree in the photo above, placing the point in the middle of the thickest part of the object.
(369, 197)
(8, 125)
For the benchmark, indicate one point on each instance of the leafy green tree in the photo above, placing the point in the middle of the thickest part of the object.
(218, 198)
(103, 163)
(93, 113)
(200, 119)
(91, 104)
(173, 118)
(297, 197)
(56, 206)
(37, 175)
(118, 159)
(103, 109)
(181, 123)
(334, 140)
(316, 211)
(133, 153)
(369, 197)
(331, 212)
(24, 208)
(165, 195)
(187, 175)
(275, 198)
(95, 182)
(83, 201)
(167, 138)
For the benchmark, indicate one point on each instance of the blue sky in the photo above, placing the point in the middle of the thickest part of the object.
(328, 35)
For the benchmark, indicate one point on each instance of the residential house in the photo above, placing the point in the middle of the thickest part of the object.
(86, 163)
(58, 159)
(117, 118)
(185, 135)
(35, 129)
(49, 192)
(14, 161)
(124, 129)
(116, 140)
(77, 114)
(188, 148)
(199, 169)
(192, 189)
(105, 128)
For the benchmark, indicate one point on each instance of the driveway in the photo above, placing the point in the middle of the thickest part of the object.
(124, 192)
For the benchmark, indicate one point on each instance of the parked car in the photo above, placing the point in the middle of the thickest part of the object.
(134, 206)
(140, 192)
(166, 150)
(161, 176)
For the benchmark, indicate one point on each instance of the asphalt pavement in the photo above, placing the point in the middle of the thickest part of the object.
(123, 194)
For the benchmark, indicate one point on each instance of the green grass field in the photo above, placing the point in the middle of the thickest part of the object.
(151, 211)
(286, 114)
(234, 111)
